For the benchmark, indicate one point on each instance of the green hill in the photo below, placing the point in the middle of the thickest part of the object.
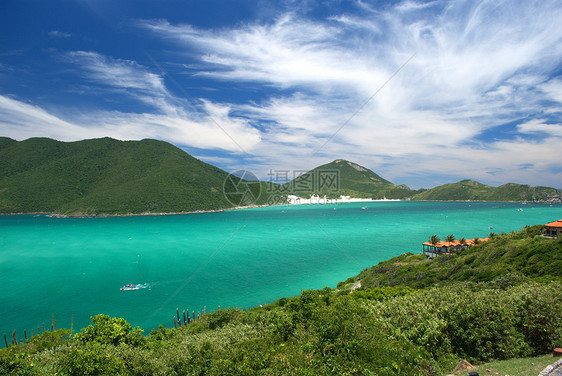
(511, 257)
(105, 176)
(473, 190)
(342, 177)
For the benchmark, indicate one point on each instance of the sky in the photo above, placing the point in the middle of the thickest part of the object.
(421, 92)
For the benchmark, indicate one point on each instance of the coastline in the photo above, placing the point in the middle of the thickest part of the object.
(307, 202)
(82, 215)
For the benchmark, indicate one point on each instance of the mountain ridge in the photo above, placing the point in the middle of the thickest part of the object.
(349, 179)
(105, 176)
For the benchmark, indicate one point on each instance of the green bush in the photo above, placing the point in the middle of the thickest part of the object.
(110, 330)
(92, 358)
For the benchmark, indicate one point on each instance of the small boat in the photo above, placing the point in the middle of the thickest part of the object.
(364, 208)
(130, 287)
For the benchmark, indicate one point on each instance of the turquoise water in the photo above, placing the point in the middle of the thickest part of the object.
(243, 258)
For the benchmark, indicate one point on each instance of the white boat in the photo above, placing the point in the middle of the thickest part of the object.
(130, 287)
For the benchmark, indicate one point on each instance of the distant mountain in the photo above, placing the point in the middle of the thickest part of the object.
(342, 177)
(473, 190)
(106, 176)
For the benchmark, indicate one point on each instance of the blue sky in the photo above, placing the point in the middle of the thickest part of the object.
(421, 92)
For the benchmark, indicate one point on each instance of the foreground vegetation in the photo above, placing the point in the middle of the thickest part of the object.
(390, 329)
(517, 367)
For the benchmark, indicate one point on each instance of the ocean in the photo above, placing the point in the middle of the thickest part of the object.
(74, 267)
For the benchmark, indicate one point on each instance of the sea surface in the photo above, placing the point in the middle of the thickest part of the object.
(74, 267)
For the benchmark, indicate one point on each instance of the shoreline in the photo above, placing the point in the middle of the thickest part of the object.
(81, 215)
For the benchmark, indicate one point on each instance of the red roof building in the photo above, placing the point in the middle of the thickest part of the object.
(441, 248)
(554, 229)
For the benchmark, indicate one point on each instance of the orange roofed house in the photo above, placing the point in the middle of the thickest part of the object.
(554, 229)
(442, 248)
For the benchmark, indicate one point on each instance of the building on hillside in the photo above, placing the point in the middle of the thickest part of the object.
(431, 250)
(554, 229)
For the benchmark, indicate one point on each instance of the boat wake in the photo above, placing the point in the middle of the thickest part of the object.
(130, 287)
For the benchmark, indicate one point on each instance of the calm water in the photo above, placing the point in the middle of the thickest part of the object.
(238, 258)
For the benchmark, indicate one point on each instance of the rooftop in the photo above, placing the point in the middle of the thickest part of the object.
(455, 243)
(557, 223)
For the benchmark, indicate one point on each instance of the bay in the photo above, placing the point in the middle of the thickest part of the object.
(75, 266)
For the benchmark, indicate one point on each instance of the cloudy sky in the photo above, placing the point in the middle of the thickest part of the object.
(421, 92)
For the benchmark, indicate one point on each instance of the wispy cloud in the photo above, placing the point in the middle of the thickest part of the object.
(59, 34)
(480, 98)
(478, 65)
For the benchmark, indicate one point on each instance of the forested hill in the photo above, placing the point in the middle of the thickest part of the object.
(473, 190)
(110, 177)
(105, 176)
(341, 177)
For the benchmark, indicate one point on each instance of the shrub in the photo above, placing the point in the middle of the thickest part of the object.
(92, 358)
(110, 330)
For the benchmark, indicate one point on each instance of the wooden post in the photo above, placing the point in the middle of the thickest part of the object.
(204, 309)
(43, 327)
(193, 312)
(31, 333)
(38, 330)
(53, 322)
(14, 339)
(25, 335)
(71, 325)
(5, 340)
(184, 319)
(175, 323)
(178, 313)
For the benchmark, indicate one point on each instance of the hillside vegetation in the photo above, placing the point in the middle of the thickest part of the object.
(475, 191)
(515, 256)
(350, 179)
(105, 176)
(109, 177)
(391, 329)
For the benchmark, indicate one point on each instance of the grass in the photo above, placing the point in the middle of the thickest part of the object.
(512, 367)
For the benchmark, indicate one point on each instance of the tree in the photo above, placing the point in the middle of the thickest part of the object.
(434, 239)
(475, 241)
(450, 238)
(110, 330)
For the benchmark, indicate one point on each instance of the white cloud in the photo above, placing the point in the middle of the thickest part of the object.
(553, 89)
(478, 65)
(541, 126)
(59, 34)
(215, 131)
